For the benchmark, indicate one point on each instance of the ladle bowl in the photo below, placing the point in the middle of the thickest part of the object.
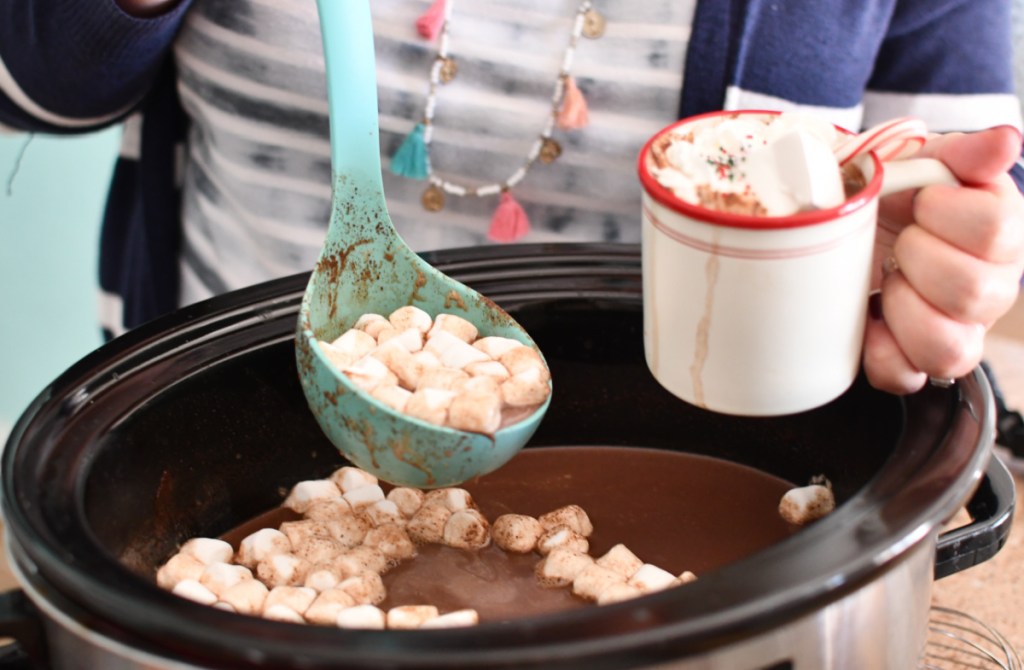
(366, 267)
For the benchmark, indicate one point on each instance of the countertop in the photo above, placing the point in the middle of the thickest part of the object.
(992, 592)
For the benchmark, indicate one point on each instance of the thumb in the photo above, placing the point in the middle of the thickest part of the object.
(976, 158)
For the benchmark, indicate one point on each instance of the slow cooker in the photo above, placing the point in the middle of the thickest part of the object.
(195, 422)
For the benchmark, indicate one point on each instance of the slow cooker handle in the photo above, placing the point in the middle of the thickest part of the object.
(22, 621)
(991, 510)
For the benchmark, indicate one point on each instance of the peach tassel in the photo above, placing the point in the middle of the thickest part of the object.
(509, 222)
(429, 24)
(574, 114)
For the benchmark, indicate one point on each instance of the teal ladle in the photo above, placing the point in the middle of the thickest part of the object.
(366, 267)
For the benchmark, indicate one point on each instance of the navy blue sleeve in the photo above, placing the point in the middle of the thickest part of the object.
(77, 65)
(947, 46)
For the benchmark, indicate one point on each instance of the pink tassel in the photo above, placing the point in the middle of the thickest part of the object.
(509, 222)
(429, 24)
(574, 114)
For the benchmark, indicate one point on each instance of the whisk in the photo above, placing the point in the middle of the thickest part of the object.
(958, 641)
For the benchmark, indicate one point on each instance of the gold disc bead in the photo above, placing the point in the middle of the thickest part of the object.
(593, 24)
(549, 151)
(448, 70)
(433, 198)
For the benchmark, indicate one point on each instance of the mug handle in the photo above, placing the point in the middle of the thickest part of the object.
(911, 173)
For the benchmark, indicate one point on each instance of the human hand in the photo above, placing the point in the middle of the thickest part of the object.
(948, 261)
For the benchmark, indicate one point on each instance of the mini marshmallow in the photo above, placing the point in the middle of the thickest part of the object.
(561, 567)
(594, 580)
(339, 359)
(298, 532)
(329, 509)
(446, 379)
(561, 537)
(430, 405)
(317, 548)
(193, 590)
(409, 340)
(392, 541)
(361, 559)
(525, 388)
(494, 346)
(406, 368)
(650, 578)
(349, 477)
(369, 321)
(321, 578)
(324, 610)
(362, 617)
(364, 495)
(225, 607)
(452, 497)
(617, 593)
(685, 577)
(427, 525)
(260, 545)
(393, 396)
(282, 613)
(453, 352)
(409, 617)
(427, 360)
(208, 550)
(379, 330)
(516, 533)
(350, 530)
(476, 412)
(368, 373)
(366, 588)
(805, 504)
(179, 568)
(456, 325)
(621, 560)
(219, 577)
(247, 596)
(383, 512)
(282, 570)
(482, 385)
(407, 499)
(354, 342)
(297, 598)
(492, 369)
(411, 316)
(467, 529)
(454, 619)
(521, 359)
(304, 493)
(573, 517)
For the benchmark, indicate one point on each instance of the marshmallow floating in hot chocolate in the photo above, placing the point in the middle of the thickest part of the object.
(772, 165)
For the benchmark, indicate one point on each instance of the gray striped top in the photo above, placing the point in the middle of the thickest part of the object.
(256, 176)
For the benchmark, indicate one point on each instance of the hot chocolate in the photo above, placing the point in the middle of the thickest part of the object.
(680, 512)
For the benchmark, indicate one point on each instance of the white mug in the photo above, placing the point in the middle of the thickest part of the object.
(761, 316)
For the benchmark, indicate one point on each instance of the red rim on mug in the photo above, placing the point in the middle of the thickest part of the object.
(667, 198)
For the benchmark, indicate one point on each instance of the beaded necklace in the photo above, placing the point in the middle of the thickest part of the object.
(568, 112)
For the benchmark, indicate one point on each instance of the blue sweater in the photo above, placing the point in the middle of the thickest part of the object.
(78, 65)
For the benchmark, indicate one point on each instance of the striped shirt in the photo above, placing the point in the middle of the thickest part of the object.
(256, 167)
(256, 190)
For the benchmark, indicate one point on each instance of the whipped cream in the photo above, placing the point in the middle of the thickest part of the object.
(763, 165)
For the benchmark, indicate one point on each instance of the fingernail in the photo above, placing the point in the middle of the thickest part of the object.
(875, 305)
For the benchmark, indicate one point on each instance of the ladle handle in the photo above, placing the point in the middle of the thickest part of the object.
(350, 61)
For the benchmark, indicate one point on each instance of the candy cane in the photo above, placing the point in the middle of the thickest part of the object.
(891, 140)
